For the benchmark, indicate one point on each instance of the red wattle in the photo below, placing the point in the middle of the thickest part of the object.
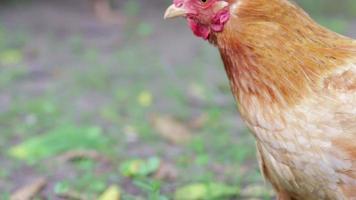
(199, 30)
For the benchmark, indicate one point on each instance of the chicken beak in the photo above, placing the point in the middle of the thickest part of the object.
(173, 11)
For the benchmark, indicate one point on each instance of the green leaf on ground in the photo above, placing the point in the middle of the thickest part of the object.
(59, 140)
(139, 167)
(151, 187)
(210, 190)
(10, 57)
(61, 187)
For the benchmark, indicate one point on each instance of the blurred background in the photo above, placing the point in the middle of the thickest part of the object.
(101, 99)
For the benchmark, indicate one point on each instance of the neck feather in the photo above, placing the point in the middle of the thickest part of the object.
(272, 50)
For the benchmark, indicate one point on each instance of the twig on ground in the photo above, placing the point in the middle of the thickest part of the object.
(30, 190)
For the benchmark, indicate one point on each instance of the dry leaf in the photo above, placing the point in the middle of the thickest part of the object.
(171, 129)
(79, 154)
(196, 92)
(199, 121)
(30, 190)
(73, 195)
(112, 193)
(166, 171)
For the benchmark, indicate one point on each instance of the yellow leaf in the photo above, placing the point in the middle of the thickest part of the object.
(112, 193)
(139, 167)
(145, 98)
(10, 57)
(198, 191)
(19, 152)
(171, 129)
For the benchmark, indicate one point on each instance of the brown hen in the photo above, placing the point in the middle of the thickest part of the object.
(295, 85)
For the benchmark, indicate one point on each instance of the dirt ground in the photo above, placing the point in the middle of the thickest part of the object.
(76, 61)
(86, 69)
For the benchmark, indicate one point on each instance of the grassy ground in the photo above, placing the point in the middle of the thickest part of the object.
(146, 103)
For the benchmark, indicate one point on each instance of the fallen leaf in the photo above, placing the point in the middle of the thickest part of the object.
(112, 193)
(71, 194)
(166, 171)
(199, 121)
(59, 140)
(145, 98)
(140, 167)
(80, 154)
(30, 190)
(199, 191)
(256, 191)
(196, 92)
(171, 129)
(10, 57)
